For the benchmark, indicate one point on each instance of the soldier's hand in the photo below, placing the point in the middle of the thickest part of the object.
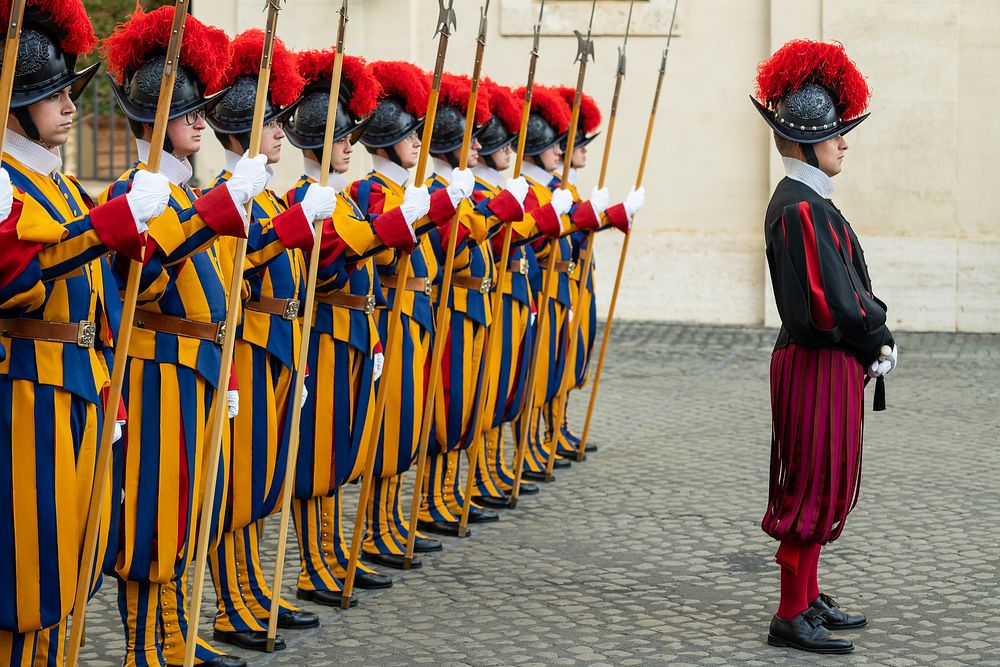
(600, 200)
(416, 204)
(460, 185)
(148, 197)
(518, 187)
(233, 401)
(635, 200)
(319, 202)
(248, 180)
(562, 201)
(6, 195)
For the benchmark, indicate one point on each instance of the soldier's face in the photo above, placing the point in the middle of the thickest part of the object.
(474, 149)
(503, 157)
(580, 157)
(270, 141)
(185, 135)
(53, 117)
(408, 151)
(830, 155)
(551, 158)
(342, 155)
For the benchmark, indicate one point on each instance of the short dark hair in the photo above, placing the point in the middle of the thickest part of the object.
(786, 147)
(138, 128)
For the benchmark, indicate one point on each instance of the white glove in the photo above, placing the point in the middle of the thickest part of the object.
(562, 201)
(233, 399)
(148, 197)
(518, 187)
(6, 195)
(879, 368)
(600, 200)
(248, 180)
(460, 185)
(635, 200)
(893, 359)
(119, 432)
(379, 360)
(305, 395)
(416, 204)
(319, 202)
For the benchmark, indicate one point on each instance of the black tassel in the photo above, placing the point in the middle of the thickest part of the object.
(879, 403)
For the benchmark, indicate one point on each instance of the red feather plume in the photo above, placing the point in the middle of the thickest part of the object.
(404, 81)
(285, 85)
(318, 66)
(803, 61)
(455, 92)
(70, 20)
(206, 49)
(504, 105)
(590, 113)
(547, 102)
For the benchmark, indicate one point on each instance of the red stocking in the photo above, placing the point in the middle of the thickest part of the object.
(796, 569)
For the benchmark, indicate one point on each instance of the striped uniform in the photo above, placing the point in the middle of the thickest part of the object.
(507, 369)
(408, 359)
(267, 349)
(337, 415)
(171, 379)
(50, 393)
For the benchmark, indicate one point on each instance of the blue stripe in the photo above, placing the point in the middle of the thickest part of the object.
(8, 574)
(45, 493)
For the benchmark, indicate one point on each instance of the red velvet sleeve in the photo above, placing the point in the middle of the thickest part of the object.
(115, 225)
(220, 212)
(293, 228)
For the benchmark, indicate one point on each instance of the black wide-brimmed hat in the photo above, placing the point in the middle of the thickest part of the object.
(54, 34)
(809, 92)
(136, 54)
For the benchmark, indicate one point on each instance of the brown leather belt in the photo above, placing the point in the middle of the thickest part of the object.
(82, 334)
(365, 303)
(178, 326)
(287, 309)
(482, 285)
(519, 266)
(419, 285)
(561, 267)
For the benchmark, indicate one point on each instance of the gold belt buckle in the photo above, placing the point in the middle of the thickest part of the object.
(428, 287)
(291, 309)
(523, 266)
(86, 334)
(571, 267)
(369, 304)
(220, 333)
(486, 285)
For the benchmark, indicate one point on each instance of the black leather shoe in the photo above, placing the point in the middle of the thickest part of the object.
(223, 661)
(805, 632)
(529, 489)
(490, 501)
(479, 515)
(371, 581)
(569, 454)
(590, 448)
(251, 641)
(834, 618)
(561, 464)
(390, 560)
(297, 620)
(442, 527)
(325, 598)
(426, 545)
(537, 476)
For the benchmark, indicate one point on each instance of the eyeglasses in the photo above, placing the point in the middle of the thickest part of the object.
(192, 117)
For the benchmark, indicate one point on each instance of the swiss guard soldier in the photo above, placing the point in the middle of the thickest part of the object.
(507, 369)
(548, 124)
(267, 343)
(832, 334)
(58, 311)
(459, 387)
(584, 214)
(176, 350)
(345, 353)
(392, 138)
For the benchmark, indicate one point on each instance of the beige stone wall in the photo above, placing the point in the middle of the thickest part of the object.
(918, 173)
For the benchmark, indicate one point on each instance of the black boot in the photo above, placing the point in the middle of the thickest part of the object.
(833, 617)
(805, 632)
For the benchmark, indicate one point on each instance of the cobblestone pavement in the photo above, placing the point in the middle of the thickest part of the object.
(650, 553)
